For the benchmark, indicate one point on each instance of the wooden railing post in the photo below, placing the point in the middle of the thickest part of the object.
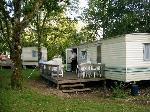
(57, 71)
(43, 69)
(46, 70)
(103, 70)
(40, 68)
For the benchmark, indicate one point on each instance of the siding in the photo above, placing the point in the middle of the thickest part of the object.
(91, 53)
(134, 57)
(27, 58)
(27, 53)
(134, 50)
(114, 52)
(137, 76)
(114, 55)
(115, 73)
(30, 63)
(115, 76)
(143, 37)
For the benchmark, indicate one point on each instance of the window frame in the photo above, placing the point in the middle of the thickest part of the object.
(84, 55)
(144, 51)
(34, 53)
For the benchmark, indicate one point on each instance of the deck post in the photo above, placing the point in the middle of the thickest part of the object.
(103, 70)
(49, 70)
(57, 86)
(57, 71)
(57, 76)
(105, 87)
(40, 68)
(46, 70)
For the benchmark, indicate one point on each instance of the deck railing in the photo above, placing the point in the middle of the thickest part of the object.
(46, 70)
(85, 70)
(90, 70)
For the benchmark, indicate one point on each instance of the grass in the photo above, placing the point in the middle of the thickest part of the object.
(28, 100)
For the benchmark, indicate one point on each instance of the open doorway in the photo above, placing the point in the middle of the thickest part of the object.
(71, 59)
(99, 54)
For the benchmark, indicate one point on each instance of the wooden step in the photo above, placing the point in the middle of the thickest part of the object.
(67, 81)
(72, 85)
(76, 90)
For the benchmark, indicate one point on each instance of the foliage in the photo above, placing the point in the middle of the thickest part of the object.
(60, 36)
(118, 90)
(51, 29)
(118, 17)
(86, 35)
(59, 32)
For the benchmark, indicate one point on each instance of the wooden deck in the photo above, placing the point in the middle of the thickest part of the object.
(70, 78)
(70, 81)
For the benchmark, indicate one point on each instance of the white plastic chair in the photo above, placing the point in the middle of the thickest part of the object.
(96, 70)
(58, 61)
(84, 70)
(81, 71)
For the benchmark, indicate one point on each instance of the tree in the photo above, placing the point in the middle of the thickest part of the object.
(50, 8)
(61, 35)
(59, 32)
(16, 15)
(118, 17)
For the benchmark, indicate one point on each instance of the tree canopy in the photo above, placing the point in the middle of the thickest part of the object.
(118, 17)
(58, 33)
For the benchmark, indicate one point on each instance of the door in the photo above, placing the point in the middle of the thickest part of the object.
(99, 54)
(68, 59)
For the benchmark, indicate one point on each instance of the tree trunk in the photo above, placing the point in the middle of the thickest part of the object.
(16, 78)
(39, 54)
(39, 46)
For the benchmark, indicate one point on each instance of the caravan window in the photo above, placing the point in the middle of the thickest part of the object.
(83, 54)
(147, 51)
(34, 53)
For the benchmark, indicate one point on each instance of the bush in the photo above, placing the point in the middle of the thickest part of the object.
(118, 90)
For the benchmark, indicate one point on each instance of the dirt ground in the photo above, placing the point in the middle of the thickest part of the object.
(96, 94)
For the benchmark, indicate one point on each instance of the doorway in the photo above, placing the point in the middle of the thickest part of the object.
(71, 65)
(99, 54)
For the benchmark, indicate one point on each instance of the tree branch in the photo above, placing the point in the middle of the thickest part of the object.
(30, 15)
(4, 12)
(46, 15)
(5, 37)
(17, 10)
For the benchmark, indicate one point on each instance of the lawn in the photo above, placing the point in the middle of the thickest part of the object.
(29, 100)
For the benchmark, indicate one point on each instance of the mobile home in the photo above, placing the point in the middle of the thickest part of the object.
(126, 57)
(29, 55)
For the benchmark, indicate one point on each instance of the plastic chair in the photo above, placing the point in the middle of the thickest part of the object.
(58, 61)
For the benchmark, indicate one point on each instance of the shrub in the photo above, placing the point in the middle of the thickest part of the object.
(118, 90)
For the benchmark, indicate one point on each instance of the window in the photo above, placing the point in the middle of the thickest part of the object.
(83, 54)
(147, 51)
(34, 53)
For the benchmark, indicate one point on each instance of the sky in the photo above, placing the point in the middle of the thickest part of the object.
(82, 4)
(75, 14)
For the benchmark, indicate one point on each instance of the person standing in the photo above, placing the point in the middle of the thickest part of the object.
(73, 61)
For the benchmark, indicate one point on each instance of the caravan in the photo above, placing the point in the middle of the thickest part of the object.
(126, 57)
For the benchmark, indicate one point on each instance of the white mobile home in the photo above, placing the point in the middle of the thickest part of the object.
(29, 55)
(126, 57)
